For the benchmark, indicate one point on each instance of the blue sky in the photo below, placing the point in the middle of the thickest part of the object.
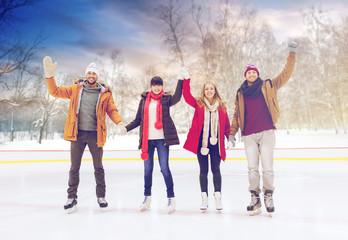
(75, 30)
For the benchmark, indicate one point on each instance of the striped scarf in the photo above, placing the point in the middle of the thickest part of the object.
(212, 123)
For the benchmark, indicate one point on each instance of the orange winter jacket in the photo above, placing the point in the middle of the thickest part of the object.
(105, 105)
(269, 90)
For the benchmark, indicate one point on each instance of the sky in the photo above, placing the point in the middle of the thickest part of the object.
(75, 31)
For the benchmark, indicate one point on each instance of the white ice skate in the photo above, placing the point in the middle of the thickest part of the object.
(171, 205)
(218, 202)
(204, 205)
(146, 203)
(71, 205)
(268, 200)
(102, 203)
(254, 207)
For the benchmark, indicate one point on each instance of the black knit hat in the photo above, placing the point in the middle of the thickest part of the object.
(156, 81)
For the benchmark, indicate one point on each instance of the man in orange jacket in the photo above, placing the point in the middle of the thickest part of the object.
(90, 101)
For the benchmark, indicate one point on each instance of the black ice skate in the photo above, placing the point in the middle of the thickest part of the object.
(70, 205)
(254, 207)
(268, 200)
(102, 202)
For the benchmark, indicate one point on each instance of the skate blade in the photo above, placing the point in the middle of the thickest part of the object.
(170, 211)
(71, 210)
(219, 208)
(143, 208)
(103, 209)
(270, 214)
(255, 212)
(203, 208)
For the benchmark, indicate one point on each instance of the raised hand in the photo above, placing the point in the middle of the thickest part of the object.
(292, 46)
(49, 66)
(183, 73)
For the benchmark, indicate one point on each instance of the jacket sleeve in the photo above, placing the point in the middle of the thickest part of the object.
(112, 111)
(177, 94)
(227, 126)
(59, 92)
(285, 75)
(234, 124)
(136, 122)
(187, 94)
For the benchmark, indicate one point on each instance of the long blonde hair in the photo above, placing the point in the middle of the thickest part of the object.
(216, 97)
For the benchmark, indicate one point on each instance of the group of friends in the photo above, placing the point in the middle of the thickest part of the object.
(256, 113)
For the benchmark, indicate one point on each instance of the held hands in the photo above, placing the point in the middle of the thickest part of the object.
(292, 46)
(232, 140)
(49, 66)
(183, 74)
(121, 129)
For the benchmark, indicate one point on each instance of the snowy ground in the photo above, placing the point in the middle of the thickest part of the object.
(311, 179)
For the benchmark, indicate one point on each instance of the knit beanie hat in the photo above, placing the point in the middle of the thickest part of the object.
(92, 67)
(251, 67)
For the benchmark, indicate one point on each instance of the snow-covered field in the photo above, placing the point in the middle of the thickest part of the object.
(130, 142)
(311, 178)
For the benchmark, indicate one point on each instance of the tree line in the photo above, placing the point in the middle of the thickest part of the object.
(215, 42)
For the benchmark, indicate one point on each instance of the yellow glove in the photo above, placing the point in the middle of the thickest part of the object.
(49, 66)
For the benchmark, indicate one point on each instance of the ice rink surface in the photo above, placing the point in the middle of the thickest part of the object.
(310, 197)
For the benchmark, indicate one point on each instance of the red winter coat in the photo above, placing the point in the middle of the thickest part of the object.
(195, 131)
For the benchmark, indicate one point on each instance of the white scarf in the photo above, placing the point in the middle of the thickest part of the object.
(214, 122)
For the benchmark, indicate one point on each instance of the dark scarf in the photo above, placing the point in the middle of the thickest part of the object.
(252, 91)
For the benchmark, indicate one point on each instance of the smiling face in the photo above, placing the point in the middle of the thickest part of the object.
(209, 91)
(92, 78)
(156, 89)
(251, 76)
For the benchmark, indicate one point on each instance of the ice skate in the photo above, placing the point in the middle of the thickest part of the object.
(254, 207)
(102, 203)
(146, 203)
(70, 206)
(171, 205)
(204, 205)
(268, 200)
(218, 203)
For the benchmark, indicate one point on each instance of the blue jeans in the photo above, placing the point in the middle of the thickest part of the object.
(163, 159)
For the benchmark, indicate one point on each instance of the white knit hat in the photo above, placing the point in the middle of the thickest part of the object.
(92, 67)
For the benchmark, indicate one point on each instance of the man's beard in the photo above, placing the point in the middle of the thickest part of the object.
(93, 81)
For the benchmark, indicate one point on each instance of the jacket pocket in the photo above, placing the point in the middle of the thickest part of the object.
(70, 126)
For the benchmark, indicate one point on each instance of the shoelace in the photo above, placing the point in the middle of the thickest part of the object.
(268, 200)
(145, 200)
(169, 201)
(254, 200)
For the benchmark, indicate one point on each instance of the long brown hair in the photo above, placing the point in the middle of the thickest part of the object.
(216, 97)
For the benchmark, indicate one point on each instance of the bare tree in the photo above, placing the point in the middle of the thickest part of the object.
(341, 39)
(172, 16)
(124, 88)
(47, 106)
(207, 44)
(320, 32)
(13, 55)
(8, 7)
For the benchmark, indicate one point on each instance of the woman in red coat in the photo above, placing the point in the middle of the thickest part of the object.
(210, 124)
